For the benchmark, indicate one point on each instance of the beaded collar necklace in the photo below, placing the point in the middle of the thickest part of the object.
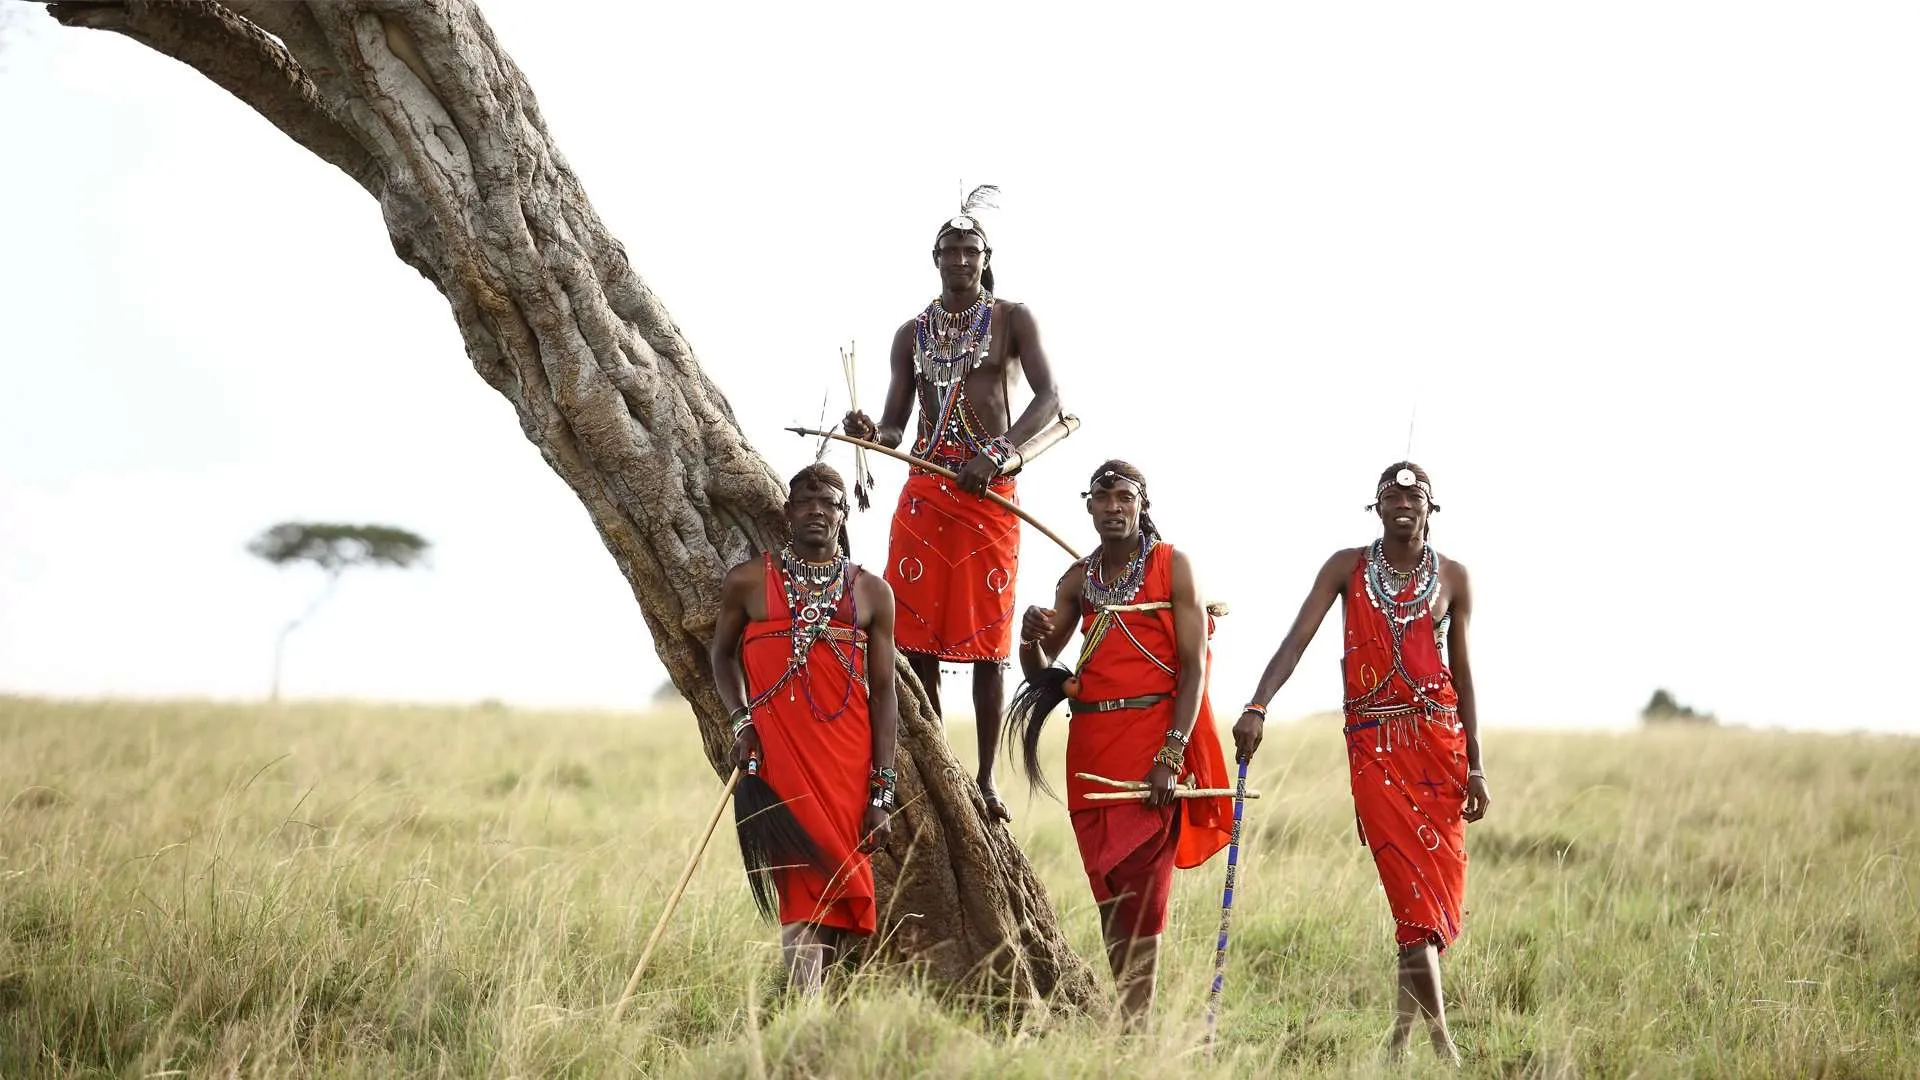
(1125, 586)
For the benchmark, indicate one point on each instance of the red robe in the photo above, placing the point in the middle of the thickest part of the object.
(1408, 757)
(952, 557)
(816, 752)
(1130, 850)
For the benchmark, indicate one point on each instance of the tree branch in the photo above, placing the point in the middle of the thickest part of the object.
(240, 58)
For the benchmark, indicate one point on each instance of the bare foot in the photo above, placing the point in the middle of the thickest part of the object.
(1395, 1051)
(996, 809)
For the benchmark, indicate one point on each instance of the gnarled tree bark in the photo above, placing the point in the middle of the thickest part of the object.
(418, 103)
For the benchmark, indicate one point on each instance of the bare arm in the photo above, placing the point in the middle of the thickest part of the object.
(1190, 644)
(883, 707)
(1025, 343)
(900, 387)
(730, 679)
(1046, 631)
(1327, 587)
(1460, 611)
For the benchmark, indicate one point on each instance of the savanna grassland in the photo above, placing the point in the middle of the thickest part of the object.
(364, 891)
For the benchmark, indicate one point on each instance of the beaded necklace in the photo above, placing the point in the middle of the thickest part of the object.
(1125, 586)
(948, 347)
(813, 592)
(1384, 586)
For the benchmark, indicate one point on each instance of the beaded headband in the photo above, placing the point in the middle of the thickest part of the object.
(1405, 478)
(1109, 479)
(815, 479)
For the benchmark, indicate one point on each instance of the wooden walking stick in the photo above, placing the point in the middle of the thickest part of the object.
(1226, 905)
(673, 898)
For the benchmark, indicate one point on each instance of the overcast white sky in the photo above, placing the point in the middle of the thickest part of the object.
(1648, 270)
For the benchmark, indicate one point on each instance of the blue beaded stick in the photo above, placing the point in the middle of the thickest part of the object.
(1226, 903)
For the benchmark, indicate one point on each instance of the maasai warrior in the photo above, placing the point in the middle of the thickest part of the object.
(1140, 710)
(803, 658)
(1413, 741)
(954, 556)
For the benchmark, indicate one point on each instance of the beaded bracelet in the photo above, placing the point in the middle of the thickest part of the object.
(740, 719)
(881, 783)
(1256, 709)
(1177, 736)
(998, 450)
(1471, 773)
(1170, 757)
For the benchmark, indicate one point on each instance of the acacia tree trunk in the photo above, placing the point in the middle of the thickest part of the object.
(418, 103)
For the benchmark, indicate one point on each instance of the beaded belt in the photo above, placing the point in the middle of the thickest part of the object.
(1377, 717)
(831, 633)
(1116, 704)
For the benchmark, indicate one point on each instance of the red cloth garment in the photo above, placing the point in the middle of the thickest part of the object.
(1127, 849)
(952, 560)
(816, 751)
(1408, 760)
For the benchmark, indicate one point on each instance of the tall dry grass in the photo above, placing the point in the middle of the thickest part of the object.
(359, 891)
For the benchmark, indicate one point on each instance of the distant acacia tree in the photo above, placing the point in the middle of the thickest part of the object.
(1663, 708)
(335, 549)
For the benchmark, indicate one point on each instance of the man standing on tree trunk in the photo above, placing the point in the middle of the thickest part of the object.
(1140, 710)
(953, 557)
(1413, 740)
(803, 660)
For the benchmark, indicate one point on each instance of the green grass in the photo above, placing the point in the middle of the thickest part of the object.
(359, 891)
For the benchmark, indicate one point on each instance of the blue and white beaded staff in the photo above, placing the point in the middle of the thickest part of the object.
(1226, 903)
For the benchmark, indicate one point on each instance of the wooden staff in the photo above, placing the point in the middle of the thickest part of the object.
(673, 898)
(939, 471)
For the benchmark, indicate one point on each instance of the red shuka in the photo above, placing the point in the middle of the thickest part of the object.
(1409, 770)
(1129, 850)
(816, 749)
(951, 560)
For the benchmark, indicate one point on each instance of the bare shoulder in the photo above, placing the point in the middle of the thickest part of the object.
(740, 581)
(1453, 574)
(1342, 562)
(871, 587)
(1075, 576)
(1018, 316)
